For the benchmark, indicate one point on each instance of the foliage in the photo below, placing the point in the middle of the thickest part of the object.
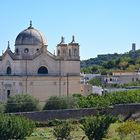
(119, 97)
(62, 132)
(22, 103)
(95, 81)
(96, 127)
(40, 133)
(129, 128)
(92, 101)
(109, 62)
(123, 97)
(2, 107)
(60, 102)
(14, 127)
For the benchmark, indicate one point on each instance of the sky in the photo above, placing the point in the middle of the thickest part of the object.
(99, 26)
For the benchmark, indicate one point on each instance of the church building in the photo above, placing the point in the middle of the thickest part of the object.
(32, 69)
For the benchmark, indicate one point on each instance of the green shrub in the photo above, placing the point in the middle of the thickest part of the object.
(55, 122)
(129, 127)
(60, 102)
(123, 97)
(95, 81)
(2, 107)
(22, 103)
(40, 133)
(92, 101)
(62, 132)
(96, 127)
(15, 127)
(113, 98)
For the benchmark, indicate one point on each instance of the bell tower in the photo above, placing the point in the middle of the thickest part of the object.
(73, 49)
(62, 48)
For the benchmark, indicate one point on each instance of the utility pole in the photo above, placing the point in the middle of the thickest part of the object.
(67, 84)
(60, 77)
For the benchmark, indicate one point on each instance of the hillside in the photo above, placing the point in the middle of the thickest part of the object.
(128, 61)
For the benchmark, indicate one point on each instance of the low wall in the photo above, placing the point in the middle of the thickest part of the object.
(125, 109)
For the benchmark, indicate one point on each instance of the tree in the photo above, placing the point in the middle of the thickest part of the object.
(103, 72)
(22, 103)
(95, 81)
(123, 64)
(15, 127)
(108, 65)
(62, 132)
(96, 127)
(94, 69)
(60, 102)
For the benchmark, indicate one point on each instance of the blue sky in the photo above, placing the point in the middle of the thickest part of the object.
(100, 26)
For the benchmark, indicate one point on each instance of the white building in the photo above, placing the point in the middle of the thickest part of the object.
(32, 69)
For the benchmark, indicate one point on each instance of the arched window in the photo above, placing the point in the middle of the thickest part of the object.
(8, 71)
(42, 70)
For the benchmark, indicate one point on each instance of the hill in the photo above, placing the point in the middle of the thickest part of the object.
(129, 61)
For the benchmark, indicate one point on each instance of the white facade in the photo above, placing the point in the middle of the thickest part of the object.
(32, 69)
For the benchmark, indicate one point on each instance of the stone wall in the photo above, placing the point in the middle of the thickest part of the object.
(126, 110)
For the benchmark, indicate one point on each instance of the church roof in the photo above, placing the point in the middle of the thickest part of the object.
(30, 36)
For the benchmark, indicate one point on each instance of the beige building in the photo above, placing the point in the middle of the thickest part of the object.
(32, 69)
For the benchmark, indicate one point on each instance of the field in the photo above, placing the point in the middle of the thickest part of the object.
(77, 134)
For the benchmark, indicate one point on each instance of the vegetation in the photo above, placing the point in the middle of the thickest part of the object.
(22, 103)
(96, 127)
(60, 102)
(119, 97)
(78, 134)
(95, 82)
(130, 128)
(62, 132)
(2, 107)
(14, 127)
(105, 64)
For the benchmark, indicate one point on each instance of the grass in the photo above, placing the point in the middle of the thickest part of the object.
(77, 134)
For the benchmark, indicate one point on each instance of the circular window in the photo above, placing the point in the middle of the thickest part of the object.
(26, 50)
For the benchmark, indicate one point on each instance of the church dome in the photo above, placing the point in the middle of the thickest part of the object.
(30, 36)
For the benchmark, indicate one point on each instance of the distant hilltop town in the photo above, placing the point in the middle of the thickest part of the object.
(133, 53)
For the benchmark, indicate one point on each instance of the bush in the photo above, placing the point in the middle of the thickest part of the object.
(123, 97)
(108, 99)
(95, 82)
(22, 103)
(2, 107)
(62, 132)
(15, 127)
(92, 101)
(96, 127)
(131, 128)
(59, 102)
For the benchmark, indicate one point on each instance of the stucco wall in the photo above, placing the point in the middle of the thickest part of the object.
(125, 110)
